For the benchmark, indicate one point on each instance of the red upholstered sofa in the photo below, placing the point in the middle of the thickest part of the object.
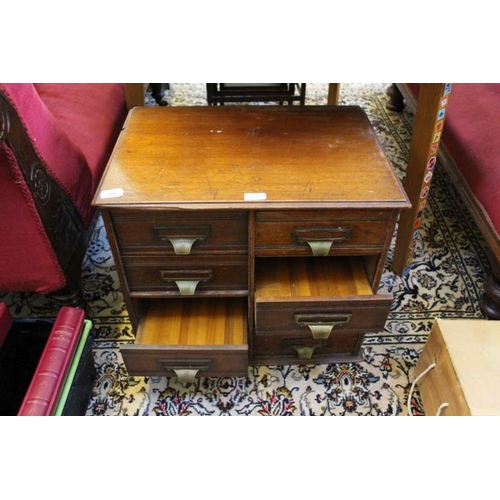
(470, 152)
(55, 141)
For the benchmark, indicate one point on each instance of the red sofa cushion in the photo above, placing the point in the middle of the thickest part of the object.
(61, 156)
(471, 135)
(74, 128)
(79, 111)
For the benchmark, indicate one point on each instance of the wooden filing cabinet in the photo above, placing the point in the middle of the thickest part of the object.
(248, 234)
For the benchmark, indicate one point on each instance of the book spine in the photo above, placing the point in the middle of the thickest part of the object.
(43, 392)
(6, 321)
(72, 370)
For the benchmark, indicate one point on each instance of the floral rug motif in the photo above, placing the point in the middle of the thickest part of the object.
(378, 386)
(444, 281)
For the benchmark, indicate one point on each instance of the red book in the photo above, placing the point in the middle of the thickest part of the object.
(43, 392)
(6, 321)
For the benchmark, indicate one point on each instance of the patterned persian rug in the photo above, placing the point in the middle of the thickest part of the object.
(444, 281)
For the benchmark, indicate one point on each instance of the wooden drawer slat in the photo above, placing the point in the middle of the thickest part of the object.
(310, 277)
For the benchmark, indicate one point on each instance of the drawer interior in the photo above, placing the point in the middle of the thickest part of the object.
(296, 277)
(194, 322)
(190, 338)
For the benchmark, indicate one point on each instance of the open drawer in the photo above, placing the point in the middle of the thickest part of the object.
(190, 338)
(314, 309)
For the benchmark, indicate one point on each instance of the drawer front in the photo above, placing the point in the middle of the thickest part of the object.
(326, 233)
(181, 233)
(317, 329)
(181, 276)
(321, 317)
(305, 349)
(186, 362)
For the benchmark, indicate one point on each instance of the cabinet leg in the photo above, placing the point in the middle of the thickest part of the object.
(490, 300)
(396, 101)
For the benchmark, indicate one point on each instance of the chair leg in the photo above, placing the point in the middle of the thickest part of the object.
(158, 93)
(489, 302)
(396, 101)
(70, 295)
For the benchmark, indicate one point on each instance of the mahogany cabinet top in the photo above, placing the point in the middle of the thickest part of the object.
(249, 157)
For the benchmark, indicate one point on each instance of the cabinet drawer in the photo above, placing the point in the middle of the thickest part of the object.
(186, 276)
(190, 339)
(181, 233)
(305, 350)
(320, 233)
(316, 330)
(314, 309)
(321, 317)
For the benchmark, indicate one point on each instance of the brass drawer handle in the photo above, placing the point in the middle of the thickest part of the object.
(187, 287)
(186, 375)
(321, 245)
(305, 352)
(187, 281)
(185, 371)
(181, 238)
(321, 325)
(182, 246)
(320, 248)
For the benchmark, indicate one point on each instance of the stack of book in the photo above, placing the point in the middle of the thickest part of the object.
(46, 366)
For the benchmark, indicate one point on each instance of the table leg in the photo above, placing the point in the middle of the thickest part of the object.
(333, 94)
(134, 94)
(429, 121)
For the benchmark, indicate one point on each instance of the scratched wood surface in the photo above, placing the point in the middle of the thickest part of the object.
(201, 157)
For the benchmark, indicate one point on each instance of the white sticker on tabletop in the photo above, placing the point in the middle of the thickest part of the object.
(112, 193)
(255, 196)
